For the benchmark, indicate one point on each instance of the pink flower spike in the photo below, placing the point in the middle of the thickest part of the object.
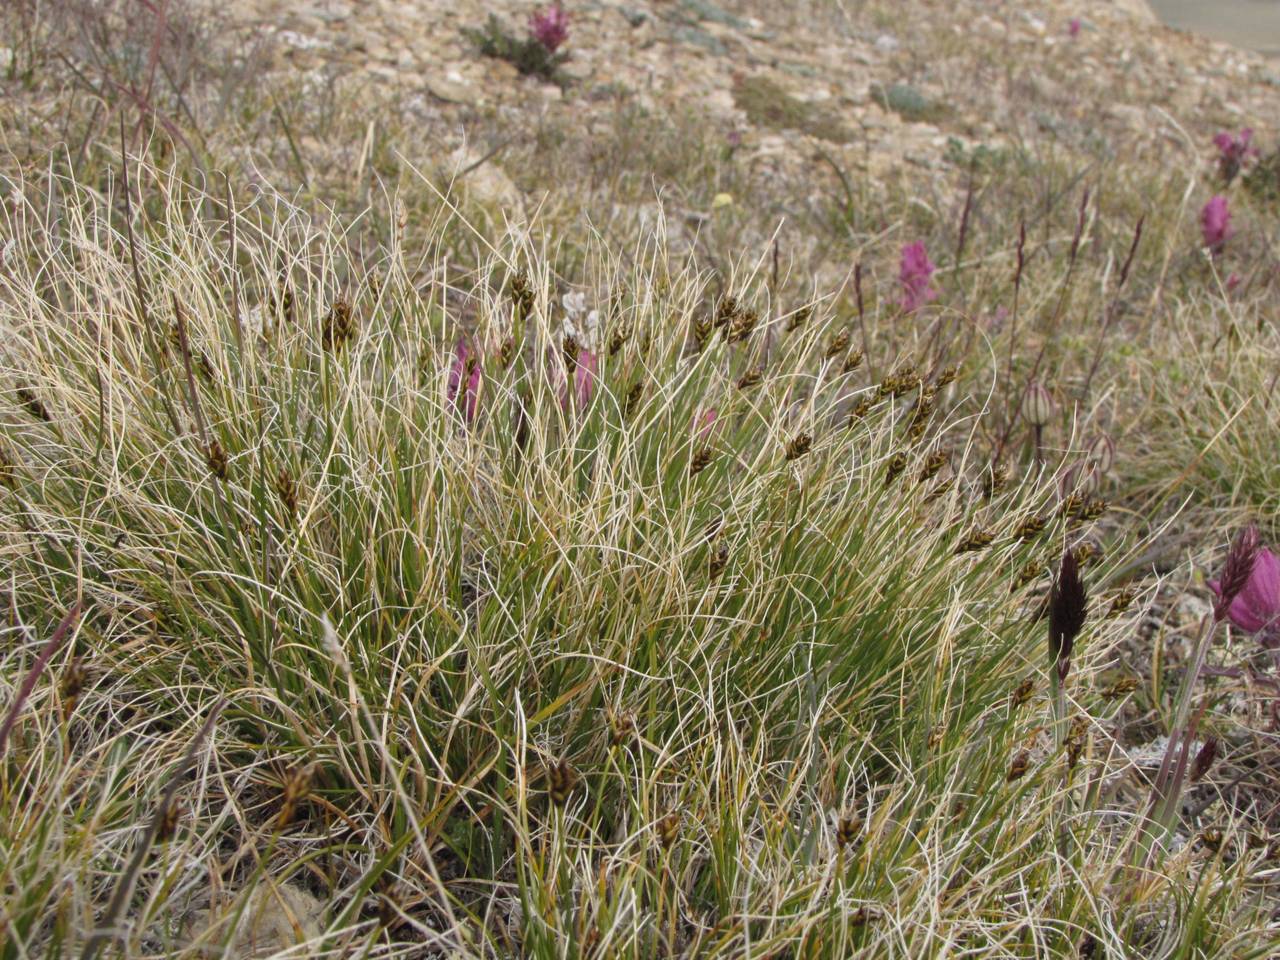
(466, 367)
(914, 272)
(705, 421)
(1234, 150)
(1215, 224)
(585, 371)
(550, 27)
(1073, 27)
(1256, 608)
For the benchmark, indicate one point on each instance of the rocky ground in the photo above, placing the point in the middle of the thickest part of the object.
(882, 89)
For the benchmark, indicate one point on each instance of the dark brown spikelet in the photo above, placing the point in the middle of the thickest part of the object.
(701, 459)
(994, 480)
(945, 376)
(287, 491)
(1085, 554)
(852, 361)
(561, 780)
(216, 458)
(750, 378)
(668, 829)
(297, 786)
(932, 464)
(713, 529)
(838, 345)
(1093, 509)
(701, 333)
(719, 560)
(1028, 572)
(940, 489)
(1023, 692)
(975, 540)
(632, 402)
(339, 325)
(799, 318)
(33, 404)
(170, 817)
(8, 469)
(799, 446)
(1204, 759)
(1237, 570)
(72, 683)
(848, 829)
(1018, 769)
(1072, 506)
(1120, 687)
(897, 464)
(1029, 527)
(507, 352)
(727, 310)
(1068, 607)
(521, 296)
(620, 336)
(622, 727)
(570, 349)
(741, 326)
(860, 409)
(1120, 603)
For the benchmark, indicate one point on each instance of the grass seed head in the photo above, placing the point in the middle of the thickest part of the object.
(719, 560)
(976, 539)
(897, 464)
(701, 460)
(287, 491)
(750, 378)
(994, 479)
(632, 402)
(521, 296)
(561, 779)
(1068, 607)
(1023, 692)
(1030, 527)
(1018, 768)
(932, 464)
(668, 829)
(216, 458)
(848, 829)
(339, 325)
(799, 318)
(297, 787)
(33, 404)
(838, 345)
(799, 446)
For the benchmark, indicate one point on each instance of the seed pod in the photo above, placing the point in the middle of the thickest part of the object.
(1037, 405)
(798, 446)
(1102, 453)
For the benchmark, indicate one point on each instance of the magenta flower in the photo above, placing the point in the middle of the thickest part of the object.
(465, 370)
(914, 273)
(1256, 608)
(584, 379)
(1073, 27)
(550, 27)
(1215, 224)
(1233, 151)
